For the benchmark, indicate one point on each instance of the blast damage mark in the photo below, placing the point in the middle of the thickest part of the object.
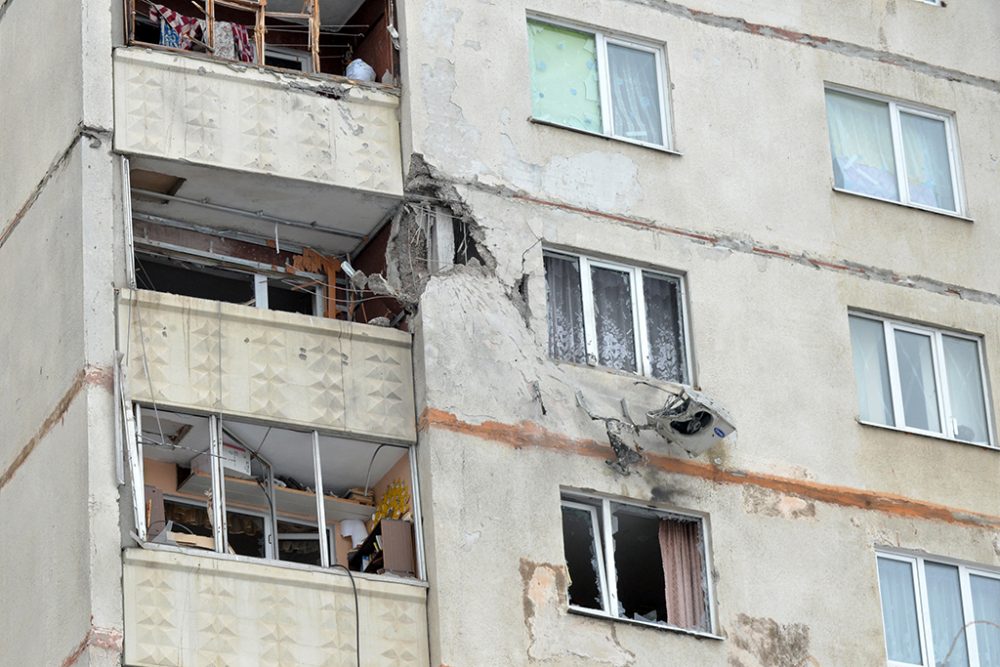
(770, 644)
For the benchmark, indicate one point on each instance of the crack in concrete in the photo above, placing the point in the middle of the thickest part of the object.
(108, 639)
(87, 376)
(836, 46)
(95, 134)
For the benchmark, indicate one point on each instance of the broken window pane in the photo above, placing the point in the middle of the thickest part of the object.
(635, 94)
(564, 87)
(664, 327)
(613, 317)
(639, 565)
(565, 308)
(582, 556)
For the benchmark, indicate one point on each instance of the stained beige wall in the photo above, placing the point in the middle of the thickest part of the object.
(740, 213)
(60, 554)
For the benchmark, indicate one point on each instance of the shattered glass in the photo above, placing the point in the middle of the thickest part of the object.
(664, 327)
(565, 308)
(613, 316)
(582, 559)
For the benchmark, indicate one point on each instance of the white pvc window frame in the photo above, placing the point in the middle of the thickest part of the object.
(640, 330)
(917, 564)
(944, 411)
(601, 40)
(896, 107)
(604, 547)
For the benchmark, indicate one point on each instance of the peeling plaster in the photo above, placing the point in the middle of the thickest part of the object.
(770, 644)
(438, 24)
(447, 128)
(769, 503)
(545, 588)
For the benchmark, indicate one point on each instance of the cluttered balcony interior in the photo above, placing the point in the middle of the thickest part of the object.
(355, 39)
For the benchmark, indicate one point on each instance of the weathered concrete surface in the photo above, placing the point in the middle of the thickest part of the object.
(799, 499)
(58, 241)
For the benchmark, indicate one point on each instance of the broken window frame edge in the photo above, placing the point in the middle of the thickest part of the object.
(643, 351)
(602, 502)
(139, 534)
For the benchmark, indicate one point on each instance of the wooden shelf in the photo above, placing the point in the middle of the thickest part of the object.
(248, 493)
(396, 555)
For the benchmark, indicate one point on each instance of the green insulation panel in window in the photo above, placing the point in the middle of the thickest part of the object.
(564, 86)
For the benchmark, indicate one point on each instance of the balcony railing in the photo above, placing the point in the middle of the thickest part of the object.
(208, 356)
(185, 610)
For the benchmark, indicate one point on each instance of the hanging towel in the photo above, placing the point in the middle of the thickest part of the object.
(176, 30)
(223, 45)
(244, 45)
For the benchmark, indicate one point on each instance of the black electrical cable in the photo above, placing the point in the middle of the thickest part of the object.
(357, 613)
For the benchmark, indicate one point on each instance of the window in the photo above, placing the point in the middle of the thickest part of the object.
(894, 151)
(249, 489)
(920, 379)
(938, 613)
(636, 563)
(593, 308)
(598, 83)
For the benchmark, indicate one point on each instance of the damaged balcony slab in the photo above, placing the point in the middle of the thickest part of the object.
(325, 374)
(182, 609)
(293, 129)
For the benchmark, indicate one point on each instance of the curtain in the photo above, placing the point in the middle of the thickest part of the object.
(565, 309)
(613, 315)
(944, 599)
(664, 326)
(965, 388)
(871, 370)
(916, 381)
(564, 77)
(986, 607)
(861, 145)
(928, 170)
(899, 611)
(683, 575)
(635, 94)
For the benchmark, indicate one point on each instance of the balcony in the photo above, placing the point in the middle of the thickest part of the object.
(185, 610)
(321, 153)
(267, 366)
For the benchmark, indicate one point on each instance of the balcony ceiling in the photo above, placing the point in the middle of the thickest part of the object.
(331, 12)
(323, 207)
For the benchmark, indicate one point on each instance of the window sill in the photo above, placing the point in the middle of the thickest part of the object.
(648, 624)
(926, 434)
(643, 144)
(202, 553)
(917, 207)
(631, 375)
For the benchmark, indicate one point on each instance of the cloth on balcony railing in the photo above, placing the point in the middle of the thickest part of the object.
(176, 30)
(223, 45)
(245, 50)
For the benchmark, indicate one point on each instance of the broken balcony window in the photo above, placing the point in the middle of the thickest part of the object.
(218, 484)
(653, 568)
(616, 316)
(329, 37)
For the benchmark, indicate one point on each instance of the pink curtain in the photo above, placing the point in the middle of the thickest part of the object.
(683, 573)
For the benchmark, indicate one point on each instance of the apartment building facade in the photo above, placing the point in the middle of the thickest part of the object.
(306, 370)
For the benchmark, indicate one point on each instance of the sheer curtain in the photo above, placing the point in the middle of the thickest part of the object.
(613, 316)
(986, 607)
(916, 381)
(928, 170)
(871, 370)
(861, 144)
(899, 611)
(664, 326)
(683, 576)
(565, 309)
(564, 86)
(635, 94)
(944, 599)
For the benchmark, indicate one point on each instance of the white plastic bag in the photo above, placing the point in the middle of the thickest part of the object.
(359, 70)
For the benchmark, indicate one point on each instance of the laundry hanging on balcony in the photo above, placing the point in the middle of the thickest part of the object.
(176, 30)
